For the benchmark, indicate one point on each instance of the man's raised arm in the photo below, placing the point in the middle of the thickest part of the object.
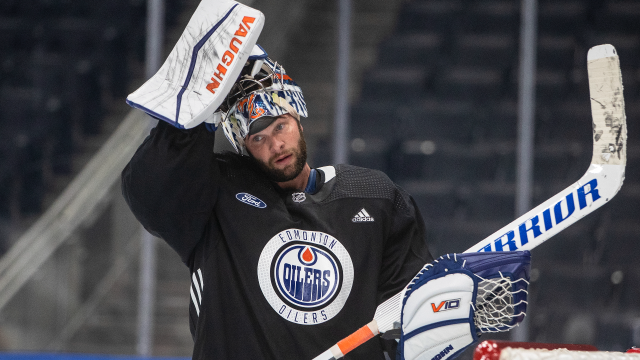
(170, 184)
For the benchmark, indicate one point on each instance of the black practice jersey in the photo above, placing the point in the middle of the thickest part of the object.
(275, 274)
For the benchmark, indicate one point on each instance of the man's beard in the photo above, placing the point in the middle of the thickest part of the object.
(290, 172)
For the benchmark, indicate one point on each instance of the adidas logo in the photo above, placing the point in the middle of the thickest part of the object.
(362, 216)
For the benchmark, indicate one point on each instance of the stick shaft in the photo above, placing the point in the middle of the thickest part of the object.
(351, 342)
(358, 338)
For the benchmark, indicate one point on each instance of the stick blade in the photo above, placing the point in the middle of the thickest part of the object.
(607, 106)
(601, 51)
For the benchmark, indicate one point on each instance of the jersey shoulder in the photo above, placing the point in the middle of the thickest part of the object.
(353, 175)
(357, 182)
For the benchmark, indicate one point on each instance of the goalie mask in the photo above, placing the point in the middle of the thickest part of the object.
(263, 92)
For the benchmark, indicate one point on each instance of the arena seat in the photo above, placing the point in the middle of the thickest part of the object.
(499, 50)
(411, 49)
(395, 81)
(490, 16)
(562, 16)
(439, 15)
(619, 16)
(470, 82)
(556, 51)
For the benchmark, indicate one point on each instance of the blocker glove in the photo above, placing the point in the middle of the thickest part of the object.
(459, 296)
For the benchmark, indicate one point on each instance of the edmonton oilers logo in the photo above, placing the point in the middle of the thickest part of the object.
(306, 276)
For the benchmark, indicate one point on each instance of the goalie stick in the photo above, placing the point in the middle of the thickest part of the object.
(596, 187)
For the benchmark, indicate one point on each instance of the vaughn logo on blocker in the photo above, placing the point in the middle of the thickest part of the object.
(362, 216)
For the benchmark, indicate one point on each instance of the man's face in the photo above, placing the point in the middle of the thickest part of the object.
(279, 150)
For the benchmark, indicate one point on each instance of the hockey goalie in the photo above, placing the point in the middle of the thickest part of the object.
(285, 259)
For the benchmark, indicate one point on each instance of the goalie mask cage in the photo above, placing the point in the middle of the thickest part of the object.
(507, 350)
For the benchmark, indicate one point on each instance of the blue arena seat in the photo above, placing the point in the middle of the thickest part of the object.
(438, 204)
(572, 287)
(564, 121)
(619, 16)
(408, 81)
(491, 16)
(620, 246)
(59, 119)
(477, 83)
(15, 69)
(497, 50)
(371, 152)
(562, 17)
(626, 204)
(113, 60)
(487, 201)
(630, 293)
(417, 49)
(551, 84)
(50, 73)
(611, 335)
(457, 233)
(442, 161)
(18, 122)
(438, 118)
(496, 120)
(76, 36)
(87, 96)
(556, 51)
(438, 15)
(15, 33)
(549, 167)
(376, 118)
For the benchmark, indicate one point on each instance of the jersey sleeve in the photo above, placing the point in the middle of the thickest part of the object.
(405, 249)
(170, 185)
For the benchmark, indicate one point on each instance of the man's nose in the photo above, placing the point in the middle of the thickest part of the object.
(277, 144)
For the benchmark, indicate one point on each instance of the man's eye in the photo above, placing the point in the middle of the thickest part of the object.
(257, 138)
(280, 127)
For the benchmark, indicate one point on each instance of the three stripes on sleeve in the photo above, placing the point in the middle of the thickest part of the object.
(196, 283)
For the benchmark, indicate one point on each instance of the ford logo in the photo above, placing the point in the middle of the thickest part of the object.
(251, 200)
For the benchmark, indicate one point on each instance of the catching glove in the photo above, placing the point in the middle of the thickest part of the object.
(457, 297)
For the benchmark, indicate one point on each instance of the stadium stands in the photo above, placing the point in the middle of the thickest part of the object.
(440, 120)
(60, 60)
(453, 93)
(71, 53)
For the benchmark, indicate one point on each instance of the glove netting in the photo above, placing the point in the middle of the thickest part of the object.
(494, 306)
